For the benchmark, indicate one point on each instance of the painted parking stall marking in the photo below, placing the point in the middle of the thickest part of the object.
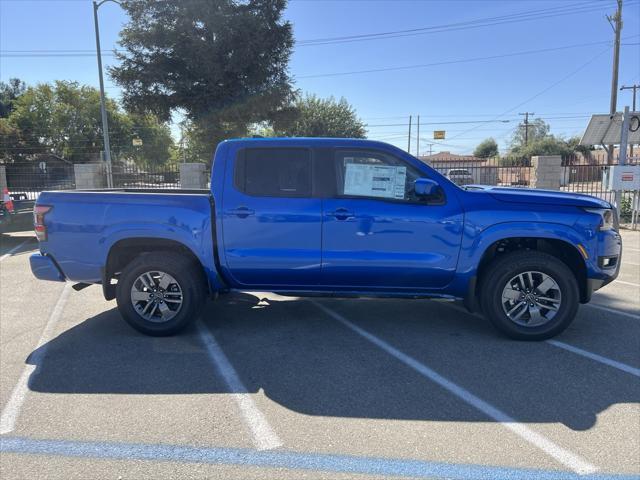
(264, 437)
(562, 455)
(598, 358)
(315, 462)
(11, 410)
(15, 249)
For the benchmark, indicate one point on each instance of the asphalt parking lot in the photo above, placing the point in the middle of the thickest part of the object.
(278, 387)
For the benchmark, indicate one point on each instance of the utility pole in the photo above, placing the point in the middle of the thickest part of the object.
(103, 107)
(418, 139)
(430, 148)
(634, 88)
(616, 23)
(409, 137)
(526, 126)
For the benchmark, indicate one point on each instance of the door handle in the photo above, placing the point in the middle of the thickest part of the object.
(342, 214)
(241, 212)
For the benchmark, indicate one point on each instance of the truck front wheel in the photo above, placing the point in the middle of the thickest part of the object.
(529, 295)
(160, 293)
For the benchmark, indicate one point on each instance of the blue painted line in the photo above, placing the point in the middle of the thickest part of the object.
(284, 459)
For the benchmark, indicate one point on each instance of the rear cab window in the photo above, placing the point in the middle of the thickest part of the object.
(274, 172)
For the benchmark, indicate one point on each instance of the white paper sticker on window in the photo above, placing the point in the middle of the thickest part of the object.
(375, 180)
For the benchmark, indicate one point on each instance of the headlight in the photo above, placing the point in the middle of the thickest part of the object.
(607, 218)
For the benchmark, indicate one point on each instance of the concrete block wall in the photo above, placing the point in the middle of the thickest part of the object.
(193, 176)
(546, 172)
(90, 175)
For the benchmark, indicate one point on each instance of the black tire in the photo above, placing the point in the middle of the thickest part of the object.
(503, 269)
(190, 281)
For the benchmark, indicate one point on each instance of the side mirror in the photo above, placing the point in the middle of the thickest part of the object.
(425, 187)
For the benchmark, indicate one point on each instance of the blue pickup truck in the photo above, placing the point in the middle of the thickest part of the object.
(331, 217)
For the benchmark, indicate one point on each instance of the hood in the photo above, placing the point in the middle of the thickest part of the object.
(540, 197)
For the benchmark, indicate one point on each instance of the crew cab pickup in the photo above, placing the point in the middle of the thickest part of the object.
(333, 217)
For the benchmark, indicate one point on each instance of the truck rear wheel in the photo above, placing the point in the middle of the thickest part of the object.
(160, 293)
(529, 295)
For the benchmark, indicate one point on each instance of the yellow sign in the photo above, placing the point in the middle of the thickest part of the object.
(438, 134)
(137, 142)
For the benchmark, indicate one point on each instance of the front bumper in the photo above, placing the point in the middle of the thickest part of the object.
(44, 268)
(605, 265)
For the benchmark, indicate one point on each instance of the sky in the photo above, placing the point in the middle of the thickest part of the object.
(468, 67)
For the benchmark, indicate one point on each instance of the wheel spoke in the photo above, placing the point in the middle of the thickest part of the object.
(173, 300)
(138, 296)
(530, 277)
(165, 281)
(154, 310)
(546, 284)
(528, 304)
(535, 317)
(164, 310)
(511, 294)
(146, 298)
(145, 311)
(548, 303)
(145, 281)
(514, 308)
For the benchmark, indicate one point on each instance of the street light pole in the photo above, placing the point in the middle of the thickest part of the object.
(103, 106)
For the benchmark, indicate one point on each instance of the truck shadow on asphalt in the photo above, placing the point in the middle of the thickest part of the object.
(312, 364)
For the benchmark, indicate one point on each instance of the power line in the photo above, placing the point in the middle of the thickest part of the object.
(450, 62)
(546, 89)
(476, 23)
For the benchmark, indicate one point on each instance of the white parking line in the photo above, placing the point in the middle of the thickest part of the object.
(598, 358)
(627, 283)
(567, 458)
(630, 263)
(613, 310)
(15, 249)
(11, 410)
(264, 437)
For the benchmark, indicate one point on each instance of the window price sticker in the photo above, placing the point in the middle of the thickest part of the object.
(375, 180)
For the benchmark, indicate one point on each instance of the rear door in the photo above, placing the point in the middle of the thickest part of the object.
(272, 221)
(377, 235)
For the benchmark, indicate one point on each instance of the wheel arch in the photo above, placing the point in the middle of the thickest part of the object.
(563, 250)
(123, 251)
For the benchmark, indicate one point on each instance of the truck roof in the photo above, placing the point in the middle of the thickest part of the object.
(312, 141)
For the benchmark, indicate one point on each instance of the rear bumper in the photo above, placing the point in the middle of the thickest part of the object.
(44, 268)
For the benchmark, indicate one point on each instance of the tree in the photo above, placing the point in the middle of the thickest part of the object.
(487, 148)
(64, 119)
(9, 93)
(316, 117)
(548, 145)
(537, 129)
(223, 62)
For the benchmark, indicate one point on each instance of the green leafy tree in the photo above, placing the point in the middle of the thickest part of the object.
(64, 119)
(537, 129)
(9, 93)
(548, 145)
(223, 62)
(487, 148)
(321, 117)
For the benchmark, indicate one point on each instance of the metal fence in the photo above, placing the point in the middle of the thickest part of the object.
(154, 177)
(25, 180)
(506, 172)
(587, 178)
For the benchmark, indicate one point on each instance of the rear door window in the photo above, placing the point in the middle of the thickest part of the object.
(274, 172)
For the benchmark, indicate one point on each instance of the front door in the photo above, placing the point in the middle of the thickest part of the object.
(378, 235)
(272, 223)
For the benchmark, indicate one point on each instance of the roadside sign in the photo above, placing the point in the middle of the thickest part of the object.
(438, 134)
(137, 142)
